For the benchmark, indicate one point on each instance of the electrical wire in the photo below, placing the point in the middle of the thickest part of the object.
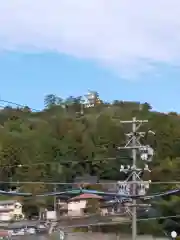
(115, 195)
(62, 162)
(84, 183)
(158, 218)
(117, 223)
(66, 228)
(138, 220)
(57, 183)
(127, 221)
(16, 104)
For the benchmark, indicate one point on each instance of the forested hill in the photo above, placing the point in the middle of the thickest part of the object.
(64, 140)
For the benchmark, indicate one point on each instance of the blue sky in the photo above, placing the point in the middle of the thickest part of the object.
(27, 78)
(124, 50)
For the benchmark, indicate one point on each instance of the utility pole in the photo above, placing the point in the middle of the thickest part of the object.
(55, 199)
(146, 153)
(134, 178)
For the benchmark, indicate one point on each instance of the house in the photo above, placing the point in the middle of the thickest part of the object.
(107, 208)
(80, 206)
(77, 205)
(10, 209)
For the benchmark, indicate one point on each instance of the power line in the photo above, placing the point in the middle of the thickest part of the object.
(66, 229)
(174, 182)
(112, 222)
(158, 218)
(145, 219)
(16, 104)
(61, 162)
(98, 183)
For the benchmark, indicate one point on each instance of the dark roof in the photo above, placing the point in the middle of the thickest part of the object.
(7, 202)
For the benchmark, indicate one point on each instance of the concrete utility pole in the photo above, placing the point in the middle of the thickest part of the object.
(146, 153)
(55, 199)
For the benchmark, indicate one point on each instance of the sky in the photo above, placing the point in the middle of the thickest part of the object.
(124, 49)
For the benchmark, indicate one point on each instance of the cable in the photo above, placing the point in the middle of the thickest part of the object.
(114, 195)
(128, 221)
(17, 104)
(124, 222)
(162, 217)
(66, 230)
(140, 219)
(81, 183)
(174, 182)
(61, 162)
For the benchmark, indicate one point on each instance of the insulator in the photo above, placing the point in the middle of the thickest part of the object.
(144, 149)
(150, 151)
(141, 192)
(144, 156)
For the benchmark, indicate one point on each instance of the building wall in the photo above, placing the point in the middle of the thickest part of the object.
(5, 216)
(75, 208)
(8, 211)
(17, 209)
(8, 206)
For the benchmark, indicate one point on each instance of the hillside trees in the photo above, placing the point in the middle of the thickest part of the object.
(58, 143)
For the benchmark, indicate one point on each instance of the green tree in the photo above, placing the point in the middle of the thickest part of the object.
(57, 144)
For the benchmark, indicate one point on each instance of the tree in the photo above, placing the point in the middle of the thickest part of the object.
(56, 144)
(52, 100)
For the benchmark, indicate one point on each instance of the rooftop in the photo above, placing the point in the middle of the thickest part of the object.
(85, 196)
(7, 202)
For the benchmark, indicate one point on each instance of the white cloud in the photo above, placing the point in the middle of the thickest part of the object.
(123, 34)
